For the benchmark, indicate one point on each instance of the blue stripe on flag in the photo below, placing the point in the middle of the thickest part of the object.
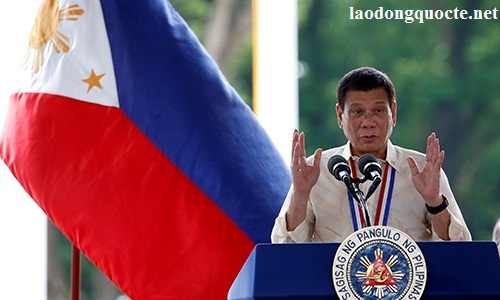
(175, 93)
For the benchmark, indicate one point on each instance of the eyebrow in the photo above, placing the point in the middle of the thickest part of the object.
(361, 103)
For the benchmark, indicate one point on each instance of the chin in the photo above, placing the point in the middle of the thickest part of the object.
(372, 150)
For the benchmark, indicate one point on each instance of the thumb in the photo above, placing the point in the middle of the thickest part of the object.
(413, 166)
(317, 157)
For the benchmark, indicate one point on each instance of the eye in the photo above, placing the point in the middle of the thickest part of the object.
(380, 110)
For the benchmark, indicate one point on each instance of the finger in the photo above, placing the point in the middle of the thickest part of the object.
(437, 152)
(438, 146)
(317, 157)
(296, 151)
(302, 145)
(300, 152)
(413, 166)
(432, 148)
(295, 158)
(428, 149)
(440, 159)
(294, 141)
(437, 162)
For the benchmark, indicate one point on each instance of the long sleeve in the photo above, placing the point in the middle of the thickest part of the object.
(457, 229)
(302, 233)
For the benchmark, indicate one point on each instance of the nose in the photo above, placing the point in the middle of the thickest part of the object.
(368, 121)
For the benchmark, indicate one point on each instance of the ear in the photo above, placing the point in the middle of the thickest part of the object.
(394, 109)
(339, 115)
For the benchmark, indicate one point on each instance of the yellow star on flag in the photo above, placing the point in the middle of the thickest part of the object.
(94, 80)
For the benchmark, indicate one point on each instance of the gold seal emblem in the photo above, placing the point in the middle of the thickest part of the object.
(379, 262)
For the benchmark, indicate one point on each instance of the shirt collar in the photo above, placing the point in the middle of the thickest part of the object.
(391, 158)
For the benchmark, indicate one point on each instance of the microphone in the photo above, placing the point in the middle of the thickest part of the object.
(338, 166)
(370, 168)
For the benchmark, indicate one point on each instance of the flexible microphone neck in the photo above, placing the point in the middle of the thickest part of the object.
(373, 186)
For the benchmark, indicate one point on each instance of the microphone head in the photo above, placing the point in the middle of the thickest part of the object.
(368, 164)
(337, 164)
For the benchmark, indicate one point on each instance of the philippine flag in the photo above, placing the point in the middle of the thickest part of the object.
(127, 135)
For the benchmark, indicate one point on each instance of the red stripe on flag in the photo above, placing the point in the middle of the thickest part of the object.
(111, 191)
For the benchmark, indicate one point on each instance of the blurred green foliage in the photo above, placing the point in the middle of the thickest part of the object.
(446, 74)
(195, 12)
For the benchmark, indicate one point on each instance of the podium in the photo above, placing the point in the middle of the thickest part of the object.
(455, 270)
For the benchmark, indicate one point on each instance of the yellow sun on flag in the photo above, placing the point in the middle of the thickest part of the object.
(45, 29)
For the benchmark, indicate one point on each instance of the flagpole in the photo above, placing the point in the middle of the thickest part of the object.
(75, 273)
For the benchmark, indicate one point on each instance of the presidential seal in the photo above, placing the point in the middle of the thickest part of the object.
(379, 262)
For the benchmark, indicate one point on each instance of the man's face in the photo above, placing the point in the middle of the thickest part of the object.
(367, 121)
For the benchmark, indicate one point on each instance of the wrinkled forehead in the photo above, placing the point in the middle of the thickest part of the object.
(372, 97)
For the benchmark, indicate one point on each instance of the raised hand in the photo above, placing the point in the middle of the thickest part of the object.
(304, 177)
(426, 181)
(304, 174)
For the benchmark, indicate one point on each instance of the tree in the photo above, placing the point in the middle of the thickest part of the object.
(445, 74)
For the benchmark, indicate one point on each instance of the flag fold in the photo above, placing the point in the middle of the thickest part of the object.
(128, 136)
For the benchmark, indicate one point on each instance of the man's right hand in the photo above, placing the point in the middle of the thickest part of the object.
(304, 177)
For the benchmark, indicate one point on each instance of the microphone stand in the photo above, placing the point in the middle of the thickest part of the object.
(360, 198)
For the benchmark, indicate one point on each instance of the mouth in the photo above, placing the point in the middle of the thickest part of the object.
(368, 138)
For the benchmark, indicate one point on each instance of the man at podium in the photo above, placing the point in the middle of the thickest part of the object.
(413, 193)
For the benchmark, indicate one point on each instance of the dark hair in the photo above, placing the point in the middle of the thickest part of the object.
(364, 79)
